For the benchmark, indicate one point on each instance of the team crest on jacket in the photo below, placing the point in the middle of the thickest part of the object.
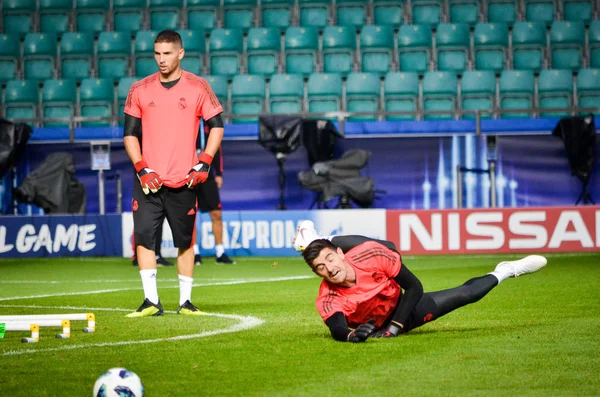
(377, 277)
(182, 103)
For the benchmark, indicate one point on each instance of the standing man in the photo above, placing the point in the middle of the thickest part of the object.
(163, 112)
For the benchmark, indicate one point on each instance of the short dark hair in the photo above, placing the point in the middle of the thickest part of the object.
(313, 250)
(168, 36)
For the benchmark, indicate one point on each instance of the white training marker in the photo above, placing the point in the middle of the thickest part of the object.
(40, 318)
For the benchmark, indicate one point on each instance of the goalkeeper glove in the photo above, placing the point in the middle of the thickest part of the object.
(362, 332)
(199, 173)
(391, 331)
(149, 179)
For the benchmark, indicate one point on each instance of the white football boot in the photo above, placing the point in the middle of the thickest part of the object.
(527, 265)
(306, 234)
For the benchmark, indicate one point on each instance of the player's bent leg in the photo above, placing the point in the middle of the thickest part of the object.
(147, 309)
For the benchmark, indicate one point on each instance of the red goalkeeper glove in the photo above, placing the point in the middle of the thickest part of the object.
(149, 179)
(199, 173)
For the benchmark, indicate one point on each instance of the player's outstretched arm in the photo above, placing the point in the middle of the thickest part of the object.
(338, 326)
(346, 243)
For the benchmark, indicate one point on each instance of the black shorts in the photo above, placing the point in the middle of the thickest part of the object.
(425, 311)
(208, 195)
(178, 205)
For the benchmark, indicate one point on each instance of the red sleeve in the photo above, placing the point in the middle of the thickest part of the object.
(208, 104)
(132, 104)
(329, 302)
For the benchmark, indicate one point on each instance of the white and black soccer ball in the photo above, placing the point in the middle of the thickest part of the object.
(118, 382)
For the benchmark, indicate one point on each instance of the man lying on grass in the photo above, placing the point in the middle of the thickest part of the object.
(361, 293)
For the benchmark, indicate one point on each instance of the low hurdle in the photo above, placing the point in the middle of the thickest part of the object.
(34, 328)
(26, 326)
(89, 317)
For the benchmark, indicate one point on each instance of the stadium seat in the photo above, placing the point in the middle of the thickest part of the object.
(324, 94)
(22, 99)
(202, 14)
(55, 15)
(263, 45)
(414, 48)
(238, 14)
(165, 14)
(452, 46)
(427, 12)
(301, 46)
(143, 59)
(122, 91)
(555, 90)
(594, 44)
(440, 90)
(58, 101)
(362, 95)
(464, 11)
(478, 91)
(388, 12)
(96, 98)
(128, 15)
(377, 49)
(18, 16)
(539, 10)
(352, 13)
(248, 93)
(339, 44)
(114, 52)
(588, 89)
(90, 15)
(220, 88)
(517, 89)
(194, 44)
(10, 52)
(578, 10)
(76, 54)
(226, 46)
(502, 11)
(277, 13)
(528, 45)
(401, 94)
(491, 46)
(286, 94)
(39, 56)
(567, 41)
(314, 12)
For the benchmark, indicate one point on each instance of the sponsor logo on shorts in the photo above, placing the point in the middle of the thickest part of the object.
(192, 211)
(134, 205)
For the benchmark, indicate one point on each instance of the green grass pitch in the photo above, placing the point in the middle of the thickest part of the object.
(537, 335)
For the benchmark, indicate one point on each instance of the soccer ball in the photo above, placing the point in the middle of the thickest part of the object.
(118, 382)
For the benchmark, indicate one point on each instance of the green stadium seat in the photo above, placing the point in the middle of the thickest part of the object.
(263, 49)
(588, 89)
(301, 46)
(114, 52)
(55, 15)
(248, 93)
(491, 46)
(143, 58)
(555, 90)
(377, 48)
(440, 90)
(10, 52)
(314, 12)
(39, 56)
(452, 46)
(578, 10)
(76, 54)
(239, 14)
(165, 14)
(96, 98)
(123, 87)
(478, 90)
(58, 101)
(202, 14)
(277, 13)
(528, 45)
(401, 94)
(388, 12)
(128, 15)
(594, 44)
(91, 15)
(464, 11)
(22, 99)
(351, 13)
(427, 12)
(517, 89)
(567, 41)
(225, 48)
(339, 45)
(362, 95)
(502, 11)
(414, 48)
(286, 94)
(539, 10)
(324, 94)
(220, 87)
(194, 44)
(18, 16)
